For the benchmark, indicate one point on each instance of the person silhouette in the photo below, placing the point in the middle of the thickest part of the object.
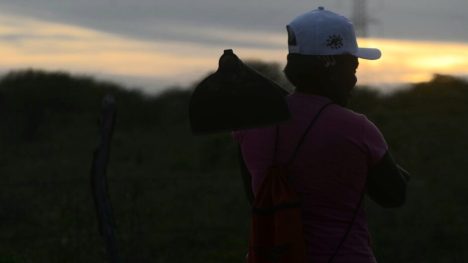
(342, 157)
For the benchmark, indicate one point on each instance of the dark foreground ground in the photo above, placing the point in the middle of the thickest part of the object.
(179, 198)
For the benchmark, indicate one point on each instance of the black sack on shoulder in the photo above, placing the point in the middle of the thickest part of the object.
(236, 97)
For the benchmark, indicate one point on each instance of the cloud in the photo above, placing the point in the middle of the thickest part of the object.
(192, 21)
(181, 52)
(153, 20)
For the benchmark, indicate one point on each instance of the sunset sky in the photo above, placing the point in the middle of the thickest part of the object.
(156, 43)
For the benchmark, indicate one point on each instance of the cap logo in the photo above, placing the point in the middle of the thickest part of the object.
(291, 36)
(335, 41)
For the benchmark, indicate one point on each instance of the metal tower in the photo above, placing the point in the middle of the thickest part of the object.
(360, 18)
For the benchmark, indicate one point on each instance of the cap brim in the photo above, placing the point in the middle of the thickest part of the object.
(368, 53)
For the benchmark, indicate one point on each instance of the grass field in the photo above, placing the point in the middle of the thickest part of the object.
(179, 198)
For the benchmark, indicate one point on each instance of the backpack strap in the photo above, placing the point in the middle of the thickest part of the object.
(299, 144)
(348, 230)
(291, 160)
(301, 140)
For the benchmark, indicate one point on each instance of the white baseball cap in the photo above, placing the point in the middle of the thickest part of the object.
(324, 33)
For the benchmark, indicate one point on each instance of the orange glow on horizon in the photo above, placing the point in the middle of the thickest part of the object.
(54, 46)
(413, 61)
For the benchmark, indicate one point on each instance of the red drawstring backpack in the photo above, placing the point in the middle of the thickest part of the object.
(276, 232)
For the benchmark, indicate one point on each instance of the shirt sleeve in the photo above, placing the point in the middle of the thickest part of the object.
(374, 142)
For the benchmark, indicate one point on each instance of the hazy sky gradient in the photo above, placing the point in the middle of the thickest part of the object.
(148, 41)
(169, 19)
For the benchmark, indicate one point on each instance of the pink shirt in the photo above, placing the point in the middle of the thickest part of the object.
(329, 172)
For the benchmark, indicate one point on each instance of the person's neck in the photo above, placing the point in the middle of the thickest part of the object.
(322, 91)
(317, 88)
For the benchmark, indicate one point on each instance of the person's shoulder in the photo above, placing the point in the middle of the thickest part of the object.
(352, 122)
(362, 131)
(252, 133)
(349, 115)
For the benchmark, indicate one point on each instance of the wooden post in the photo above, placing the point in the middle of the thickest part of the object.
(99, 179)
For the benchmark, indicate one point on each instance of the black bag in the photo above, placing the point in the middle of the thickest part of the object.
(236, 97)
